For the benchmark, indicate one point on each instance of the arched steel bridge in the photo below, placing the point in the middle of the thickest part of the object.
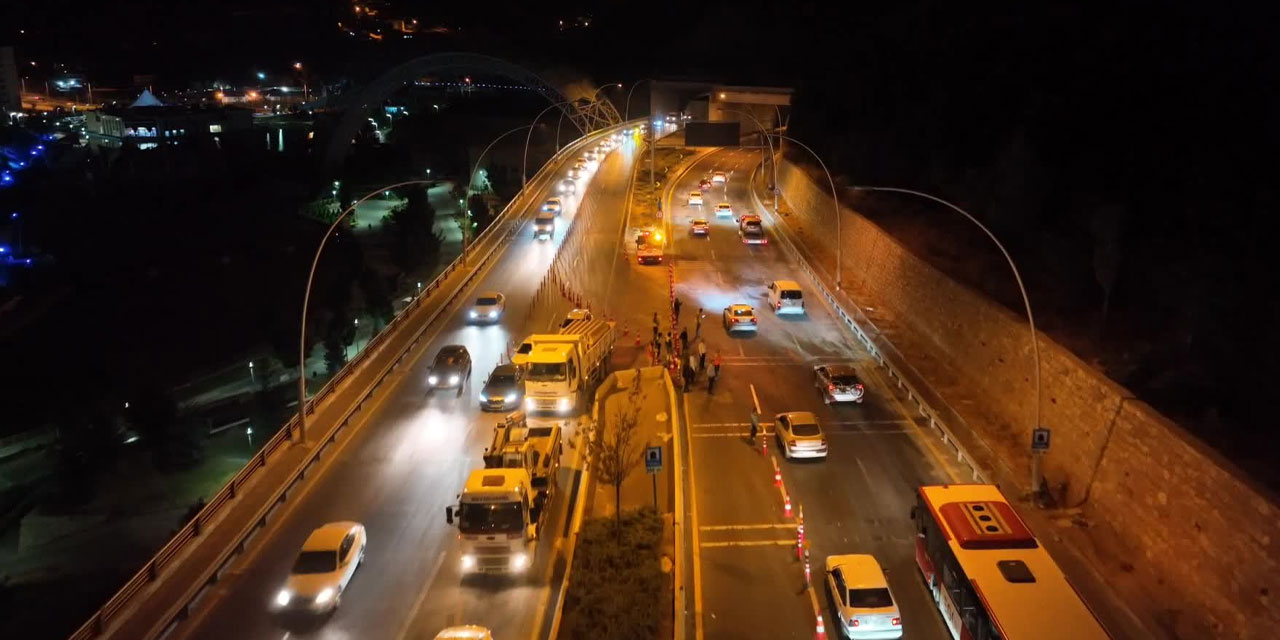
(587, 114)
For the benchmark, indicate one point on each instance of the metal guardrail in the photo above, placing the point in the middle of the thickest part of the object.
(485, 245)
(878, 346)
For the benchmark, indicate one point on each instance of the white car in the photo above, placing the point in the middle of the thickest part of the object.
(553, 205)
(723, 209)
(465, 632)
(799, 435)
(785, 296)
(863, 602)
(575, 315)
(488, 307)
(323, 569)
(568, 186)
(740, 317)
(719, 177)
(695, 198)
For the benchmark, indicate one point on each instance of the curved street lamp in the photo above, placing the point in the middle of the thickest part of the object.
(466, 198)
(773, 158)
(1026, 303)
(626, 110)
(834, 199)
(524, 163)
(306, 301)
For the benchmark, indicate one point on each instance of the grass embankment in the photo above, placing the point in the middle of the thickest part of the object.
(618, 589)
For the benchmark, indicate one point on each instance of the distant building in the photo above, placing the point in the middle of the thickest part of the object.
(148, 124)
(10, 86)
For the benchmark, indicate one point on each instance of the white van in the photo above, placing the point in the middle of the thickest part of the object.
(785, 297)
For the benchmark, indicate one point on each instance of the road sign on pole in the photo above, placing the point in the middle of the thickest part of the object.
(1040, 439)
(653, 459)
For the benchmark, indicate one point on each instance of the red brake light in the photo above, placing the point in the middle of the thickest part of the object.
(896, 622)
(858, 386)
(778, 305)
(791, 444)
(853, 622)
(831, 387)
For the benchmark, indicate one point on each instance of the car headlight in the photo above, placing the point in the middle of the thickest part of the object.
(563, 404)
(468, 562)
(432, 379)
(493, 314)
(283, 598)
(453, 379)
(511, 397)
(519, 561)
(325, 595)
(528, 404)
(473, 313)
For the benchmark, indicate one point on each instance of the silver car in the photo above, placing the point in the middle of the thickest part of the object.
(838, 383)
(799, 435)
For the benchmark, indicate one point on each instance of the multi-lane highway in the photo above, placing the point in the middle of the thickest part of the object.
(397, 473)
(748, 580)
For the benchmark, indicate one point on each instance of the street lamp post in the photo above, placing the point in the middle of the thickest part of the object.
(1026, 303)
(525, 161)
(626, 110)
(306, 301)
(834, 200)
(772, 158)
(466, 198)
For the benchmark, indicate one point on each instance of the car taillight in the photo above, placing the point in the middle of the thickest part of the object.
(853, 622)
(778, 305)
(831, 387)
(791, 444)
(858, 386)
(896, 622)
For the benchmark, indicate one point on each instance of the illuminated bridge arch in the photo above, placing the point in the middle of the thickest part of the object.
(588, 115)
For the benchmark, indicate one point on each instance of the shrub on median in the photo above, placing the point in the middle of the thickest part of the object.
(617, 590)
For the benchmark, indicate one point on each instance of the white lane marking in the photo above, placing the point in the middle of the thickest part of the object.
(755, 400)
(712, 425)
(751, 543)
(697, 557)
(736, 527)
(413, 613)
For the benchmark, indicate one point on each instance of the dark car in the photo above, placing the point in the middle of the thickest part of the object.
(451, 369)
(838, 383)
(504, 389)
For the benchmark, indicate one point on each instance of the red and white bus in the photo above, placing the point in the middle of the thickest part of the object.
(988, 574)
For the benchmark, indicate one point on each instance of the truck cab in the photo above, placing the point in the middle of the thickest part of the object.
(499, 517)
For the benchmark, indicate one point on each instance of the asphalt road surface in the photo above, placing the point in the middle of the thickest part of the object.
(749, 580)
(397, 473)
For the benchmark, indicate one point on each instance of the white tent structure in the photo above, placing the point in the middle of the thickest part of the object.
(147, 99)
